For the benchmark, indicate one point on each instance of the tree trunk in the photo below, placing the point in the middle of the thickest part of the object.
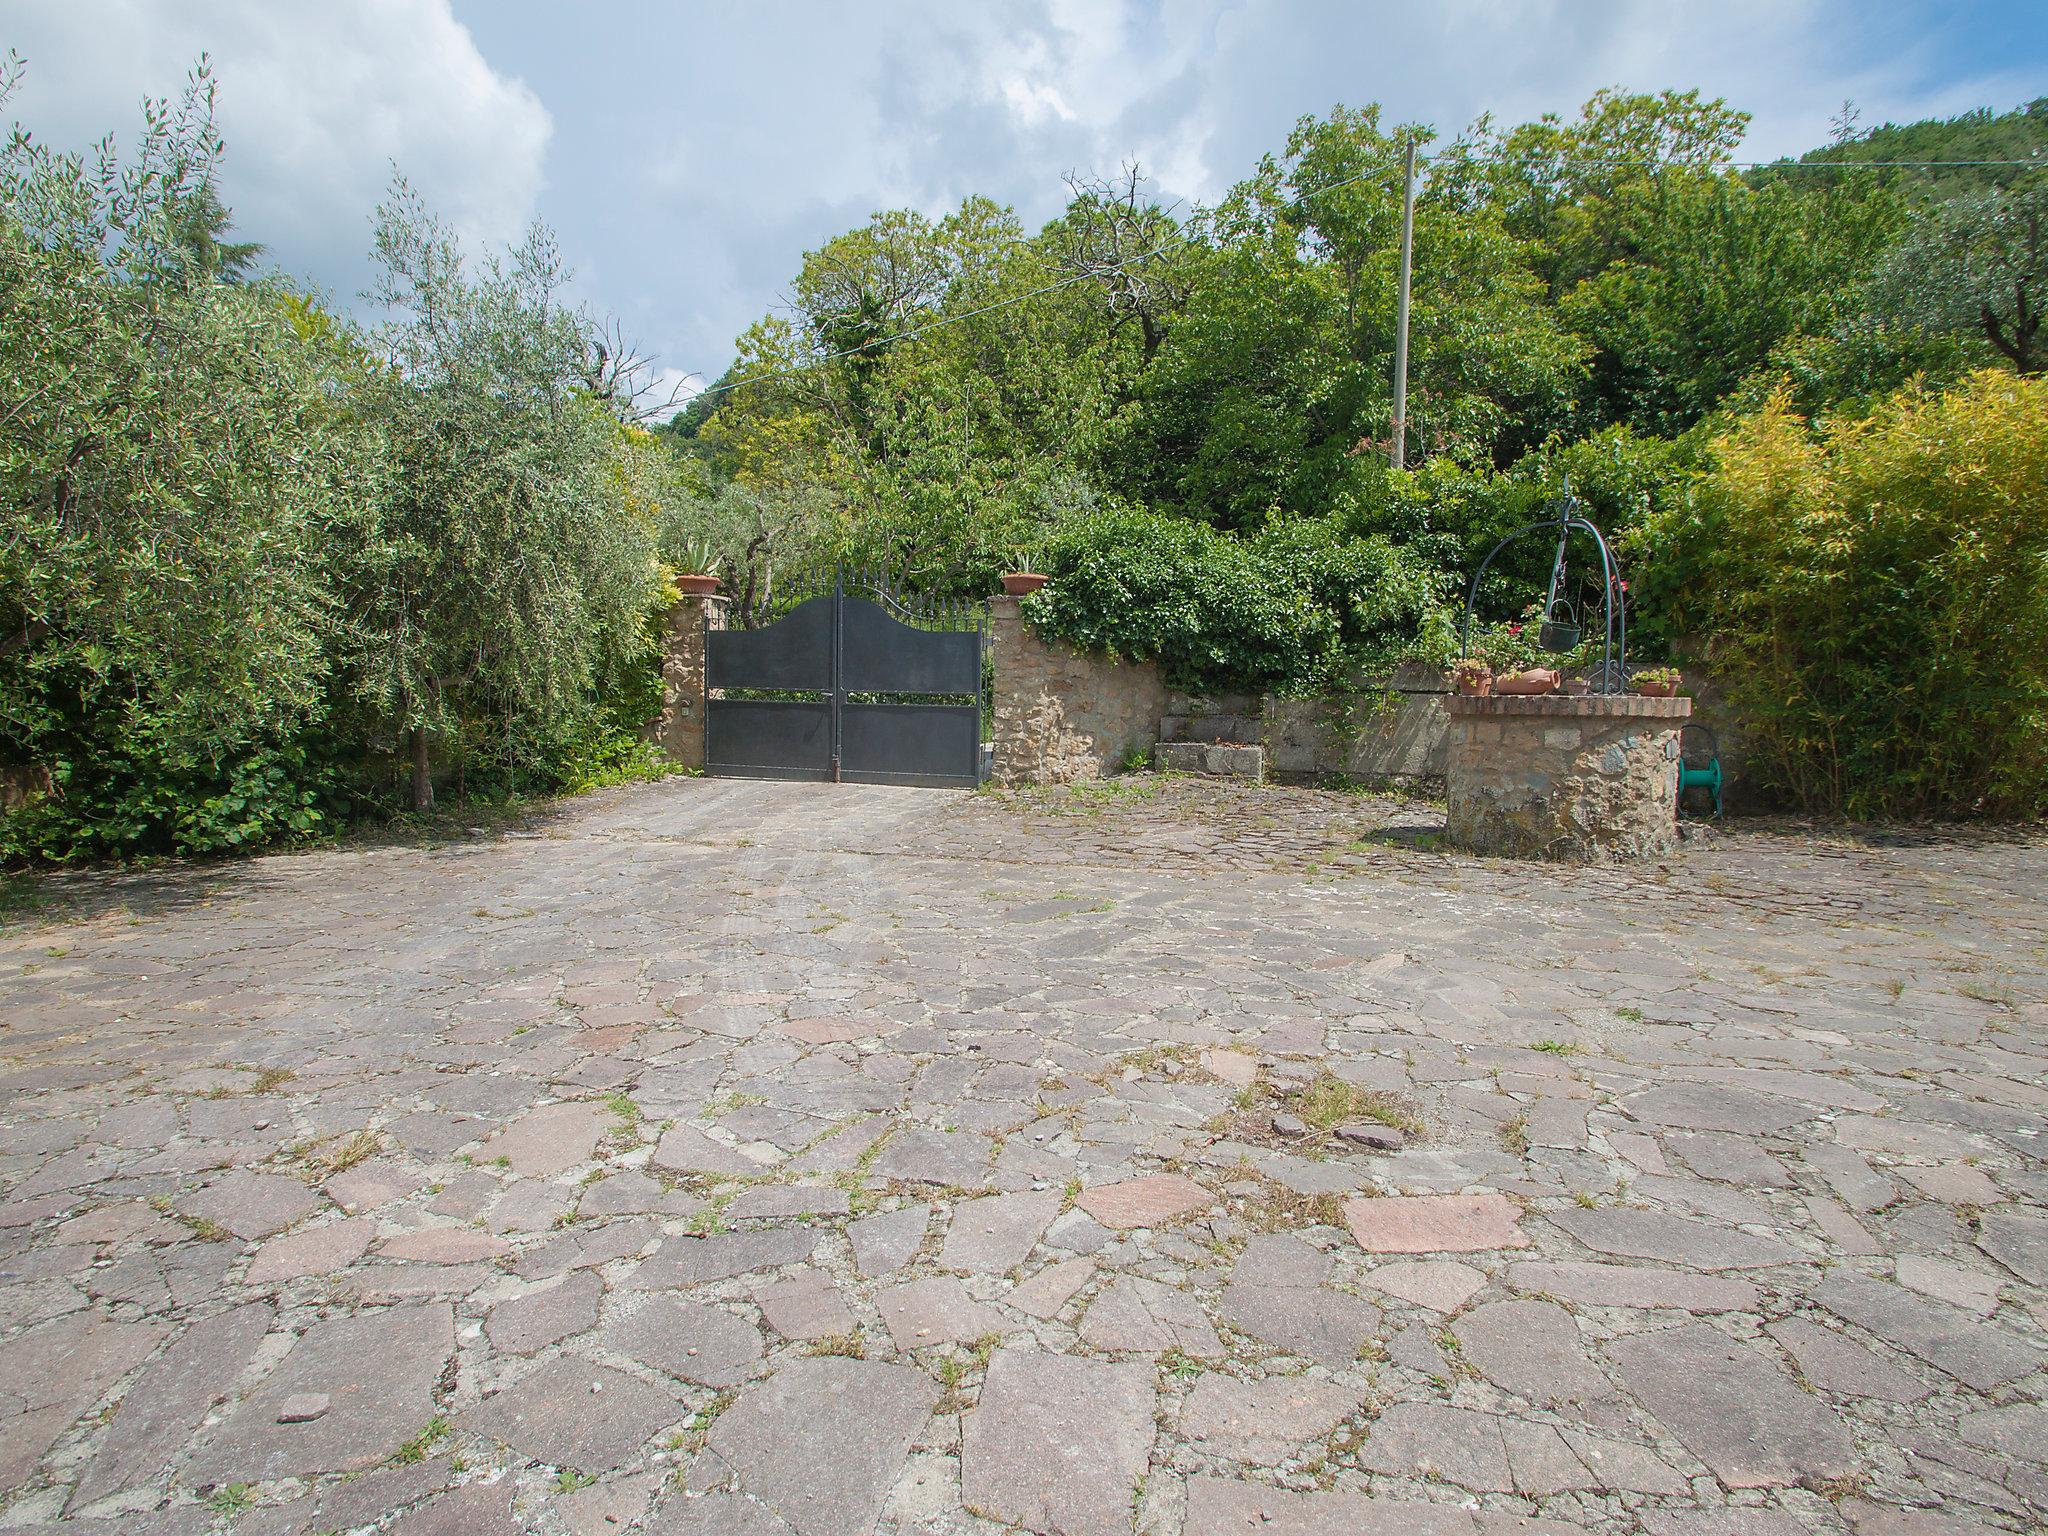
(422, 771)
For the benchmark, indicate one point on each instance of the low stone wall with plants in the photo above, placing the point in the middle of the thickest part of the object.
(1061, 715)
(1388, 730)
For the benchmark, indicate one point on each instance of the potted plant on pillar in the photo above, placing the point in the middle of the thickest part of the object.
(1026, 578)
(1655, 682)
(699, 576)
(1470, 675)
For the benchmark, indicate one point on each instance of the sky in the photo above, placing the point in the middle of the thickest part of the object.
(687, 155)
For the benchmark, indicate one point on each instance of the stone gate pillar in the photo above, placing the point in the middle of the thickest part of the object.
(1591, 779)
(679, 731)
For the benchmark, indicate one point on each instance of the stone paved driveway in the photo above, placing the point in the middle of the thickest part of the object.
(768, 1160)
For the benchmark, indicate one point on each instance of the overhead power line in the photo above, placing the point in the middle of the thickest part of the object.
(1566, 162)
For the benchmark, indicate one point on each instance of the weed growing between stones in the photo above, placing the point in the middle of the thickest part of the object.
(421, 1445)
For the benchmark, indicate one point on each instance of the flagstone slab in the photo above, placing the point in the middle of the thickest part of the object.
(806, 1306)
(1849, 1174)
(378, 1370)
(2020, 1243)
(1713, 1107)
(992, 1236)
(1532, 1349)
(1056, 1443)
(715, 1514)
(1734, 1409)
(1435, 1223)
(443, 1245)
(2020, 1430)
(1840, 1365)
(575, 1413)
(320, 1250)
(884, 1243)
(1046, 1293)
(477, 1509)
(951, 1159)
(1967, 1348)
(780, 1202)
(165, 1407)
(686, 1261)
(1221, 1507)
(529, 1323)
(1634, 1285)
(1721, 1522)
(252, 1205)
(1431, 1440)
(685, 1149)
(921, 1313)
(1906, 1138)
(1150, 1201)
(855, 1421)
(1670, 1239)
(1144, 1316)
(550, 1140)
(1262, 1422)
(691, 1340)
(1442, 1286)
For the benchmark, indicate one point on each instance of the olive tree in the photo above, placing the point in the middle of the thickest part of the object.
(1977, 265)
(506, 561)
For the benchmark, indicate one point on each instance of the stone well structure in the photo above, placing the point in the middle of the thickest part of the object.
(1555, 777)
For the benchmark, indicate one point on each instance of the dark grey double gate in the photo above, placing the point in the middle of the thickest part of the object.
(835, 669)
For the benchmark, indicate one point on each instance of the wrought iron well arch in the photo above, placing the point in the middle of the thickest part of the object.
(1613, 614)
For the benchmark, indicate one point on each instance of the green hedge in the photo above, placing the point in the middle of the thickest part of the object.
(1290, 609)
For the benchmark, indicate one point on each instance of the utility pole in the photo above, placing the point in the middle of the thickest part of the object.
(1399, 457)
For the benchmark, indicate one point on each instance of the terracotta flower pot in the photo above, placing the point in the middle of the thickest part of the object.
(1533, 681)
(1655, 690)
(1578, 687)
(697, 584)
(1021, 583)
(1473, 682)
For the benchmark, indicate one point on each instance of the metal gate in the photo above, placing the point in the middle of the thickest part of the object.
(855, 683)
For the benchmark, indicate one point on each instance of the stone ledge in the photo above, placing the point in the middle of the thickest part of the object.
(1613, 706)
(1225, 761)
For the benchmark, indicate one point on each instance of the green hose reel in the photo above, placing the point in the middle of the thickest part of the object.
(1707, 777)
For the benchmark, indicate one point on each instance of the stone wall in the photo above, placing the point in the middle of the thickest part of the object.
(1384, 730)
(1061, 716)
(679, 729)
(1586, 779)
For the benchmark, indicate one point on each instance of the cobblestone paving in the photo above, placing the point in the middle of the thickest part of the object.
(741, 1159)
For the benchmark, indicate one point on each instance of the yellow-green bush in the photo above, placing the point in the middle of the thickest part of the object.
(1878, 590)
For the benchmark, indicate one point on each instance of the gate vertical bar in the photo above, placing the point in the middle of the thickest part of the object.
(838, 661)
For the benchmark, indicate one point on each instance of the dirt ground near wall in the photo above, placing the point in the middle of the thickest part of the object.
(730, 1158)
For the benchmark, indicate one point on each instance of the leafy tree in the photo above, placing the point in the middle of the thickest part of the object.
(1973, 143)
(201, 222)
(173, 476)
(1717, 275)
(1278, 376)
(508, 560)
(1976, 266)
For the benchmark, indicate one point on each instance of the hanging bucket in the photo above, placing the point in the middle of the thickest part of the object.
(1555, 634)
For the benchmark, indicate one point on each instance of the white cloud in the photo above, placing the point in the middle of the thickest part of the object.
(316, 103)
(694, 153)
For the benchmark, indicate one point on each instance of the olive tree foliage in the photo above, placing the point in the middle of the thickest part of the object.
(173, 474)
(513, 553)
(1977, 266)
